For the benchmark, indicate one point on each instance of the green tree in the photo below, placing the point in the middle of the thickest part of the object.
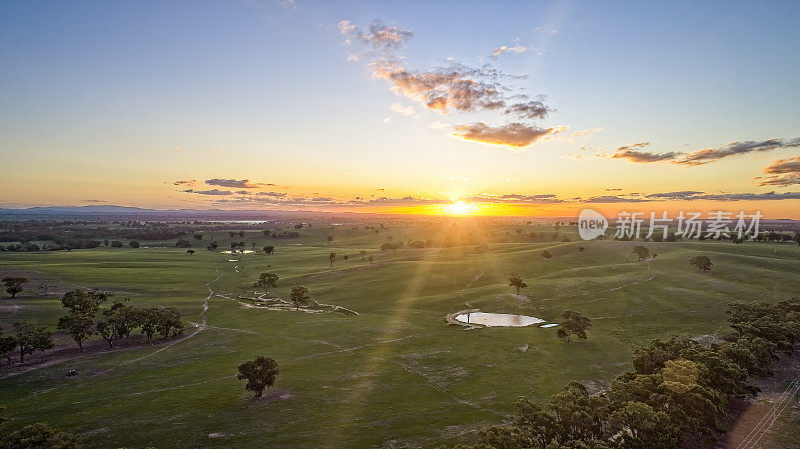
(260, 374)
(269, 249)
(7, 344)
(40, 436)
(78, 326)
(329, 239)
(133, 244)
(516, 281)
(31, 337)
(371, 258)
(331, 258)
(266, 281)
(83, 301)
(14, 284)
(703, 263)
(546, 254)
(574, 324)
(299, 296)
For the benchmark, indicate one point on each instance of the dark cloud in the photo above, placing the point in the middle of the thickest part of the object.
(714, 154)
(783, 172)
(517, 135)
(236, 183)
(530, 110)
(704, 156)
(680, 195)
(379, 35)
(611, 199)
(634, 153)
(272, 194)
(209, 192)
(189, 182)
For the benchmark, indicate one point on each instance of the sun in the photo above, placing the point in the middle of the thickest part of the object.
(460, 208)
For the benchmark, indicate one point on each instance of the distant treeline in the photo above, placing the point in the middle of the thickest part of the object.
(676, 395)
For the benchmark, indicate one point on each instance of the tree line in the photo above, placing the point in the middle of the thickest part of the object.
(87, 317)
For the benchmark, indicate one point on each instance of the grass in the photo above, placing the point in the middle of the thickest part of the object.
(393, 376)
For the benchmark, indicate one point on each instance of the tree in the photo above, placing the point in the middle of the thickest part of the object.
(362, 253)
(31, 337)
(133, 244)
(299, 296)
(516, 281)
(267, 280)
(212, 246)
(120, 319)
(14, 284)
(574, 324)
(78, 326)
(260, 374)
(83, 302)
(117, 244)
(269, 249)
(546, 254)
(329, 238)
(703, 263)
(581, 249)
(370, 258)
(332, 257)
(642, 252)
(7, 345)
(169, 322)
(40, 436)
(183, 243)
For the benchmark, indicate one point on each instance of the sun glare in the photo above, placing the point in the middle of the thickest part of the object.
(460, 208)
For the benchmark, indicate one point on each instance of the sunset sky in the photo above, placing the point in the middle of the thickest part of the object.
(528, 108)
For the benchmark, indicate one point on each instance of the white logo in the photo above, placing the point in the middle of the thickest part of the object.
(591, 224)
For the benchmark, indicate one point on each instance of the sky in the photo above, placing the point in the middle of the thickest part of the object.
(521, 108)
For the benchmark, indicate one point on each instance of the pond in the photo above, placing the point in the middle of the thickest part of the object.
(497, 319)
(246, 251)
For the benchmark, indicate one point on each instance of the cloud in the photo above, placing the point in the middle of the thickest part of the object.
(403, 110)
(209, 192)
(379, 35)
(612, 199)
(515, 198)
(452, 88)
(517, 49)
(680, 195)
(634, 153)
(530, 109)
(783, 172)
(704, 156)
(516, 135)
(714, 154)
(189, 182)
(236, 183)
(272, 194)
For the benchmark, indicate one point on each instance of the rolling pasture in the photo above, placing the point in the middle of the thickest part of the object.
(393, 376)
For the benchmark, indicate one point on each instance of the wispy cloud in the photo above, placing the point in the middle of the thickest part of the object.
(379, 35)
(403, 110)
(634, 152)
(215, 192)
(515, 49)
(236, 183)
(783, 172)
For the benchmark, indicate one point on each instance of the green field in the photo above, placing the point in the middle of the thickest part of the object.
(395, 375)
